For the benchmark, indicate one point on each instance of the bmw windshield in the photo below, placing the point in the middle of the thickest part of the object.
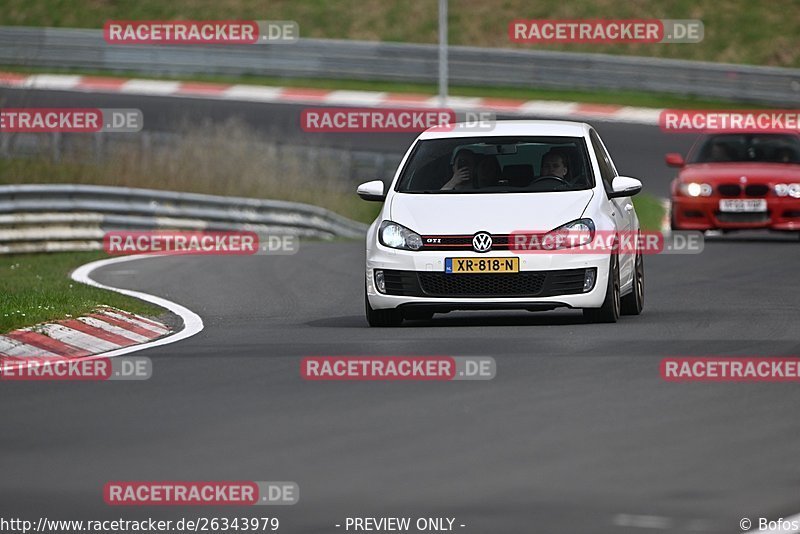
(762, 147)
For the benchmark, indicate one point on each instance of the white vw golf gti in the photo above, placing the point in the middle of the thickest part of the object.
(475, 221)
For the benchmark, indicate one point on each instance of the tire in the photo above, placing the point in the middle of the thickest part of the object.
(633, 302)
(609, 311)
(382, 318)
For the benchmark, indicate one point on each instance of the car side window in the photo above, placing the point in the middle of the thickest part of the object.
(607, 172)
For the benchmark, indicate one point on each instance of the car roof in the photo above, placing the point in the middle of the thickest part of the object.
(504, 128)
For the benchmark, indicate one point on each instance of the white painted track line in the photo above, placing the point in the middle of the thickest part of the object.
(192, 323)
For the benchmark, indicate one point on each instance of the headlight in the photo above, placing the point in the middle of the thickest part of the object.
(573, 234)
(393, 235)
(696, 189)
(787, 190)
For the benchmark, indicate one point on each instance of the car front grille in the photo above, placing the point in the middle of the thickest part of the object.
(401, 282)
(756, 190)
(523, 284)
(735, 190)
(729, 217)
(729, 190)
(444, 285)
(461, 242)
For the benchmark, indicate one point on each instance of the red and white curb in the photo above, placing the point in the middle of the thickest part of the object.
(104, 334)
(105, 330)
(294, 95)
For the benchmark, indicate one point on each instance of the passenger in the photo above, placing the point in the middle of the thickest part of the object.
(785, 155)
(463, 170)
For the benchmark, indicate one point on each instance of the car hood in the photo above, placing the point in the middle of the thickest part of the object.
(755, 172)
(459, 214)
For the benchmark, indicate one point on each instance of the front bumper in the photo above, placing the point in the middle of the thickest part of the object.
(418, 280)
(702, 213)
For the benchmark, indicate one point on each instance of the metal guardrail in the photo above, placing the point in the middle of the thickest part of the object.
(360, 60)
(35, 218)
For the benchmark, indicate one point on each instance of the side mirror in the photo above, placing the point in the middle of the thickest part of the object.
(673, 159)
(624, 186)
(372, 191)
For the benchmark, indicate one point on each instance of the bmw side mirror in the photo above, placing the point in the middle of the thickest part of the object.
(624, 186)
(673, 159)
(372, 191)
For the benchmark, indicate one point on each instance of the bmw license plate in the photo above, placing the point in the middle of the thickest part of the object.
(743, 205)
(481, 265)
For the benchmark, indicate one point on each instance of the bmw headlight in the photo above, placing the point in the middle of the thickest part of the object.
(787, 190)
(573, 234)
(696, 189)
(394, 235)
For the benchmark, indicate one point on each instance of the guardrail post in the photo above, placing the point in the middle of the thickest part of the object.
(442, 53)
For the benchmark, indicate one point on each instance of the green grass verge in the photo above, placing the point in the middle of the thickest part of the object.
(736, 31)
(36, 288)
(649, 210)
(622, 98)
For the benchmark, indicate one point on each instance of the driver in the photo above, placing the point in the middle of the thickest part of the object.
(555, 163)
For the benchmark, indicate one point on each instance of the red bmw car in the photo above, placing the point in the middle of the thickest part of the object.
(738, 181)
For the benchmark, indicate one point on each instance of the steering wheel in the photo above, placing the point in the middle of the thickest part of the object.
(550, 177)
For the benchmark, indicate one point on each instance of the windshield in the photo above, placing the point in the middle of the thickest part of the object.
(770, 148)
(497, 165)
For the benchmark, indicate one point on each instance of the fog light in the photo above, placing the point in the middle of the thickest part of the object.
(588, 279)
(379, 282)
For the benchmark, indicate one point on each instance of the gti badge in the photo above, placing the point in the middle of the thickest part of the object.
(482, 242)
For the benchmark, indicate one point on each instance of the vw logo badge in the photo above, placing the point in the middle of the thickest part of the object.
(482, 242)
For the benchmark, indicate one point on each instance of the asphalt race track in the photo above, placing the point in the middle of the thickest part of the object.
(576, 429)
(577, 432)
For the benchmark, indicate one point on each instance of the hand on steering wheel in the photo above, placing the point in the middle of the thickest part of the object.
(550, 177)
